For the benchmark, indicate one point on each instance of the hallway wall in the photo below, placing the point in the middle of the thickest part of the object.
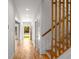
(11, 33)
(33, 32)
(21, 30)
(45, 41)
(18, 30)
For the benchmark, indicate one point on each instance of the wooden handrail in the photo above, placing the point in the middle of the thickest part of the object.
(50, 29)
(46, 32)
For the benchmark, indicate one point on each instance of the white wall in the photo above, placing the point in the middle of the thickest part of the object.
(18, 30)
(33, 32)
(21, 30)
(45, 25)
(11, 33)
(38, 29)
(46, 18)
(36, 34)
(66, 55)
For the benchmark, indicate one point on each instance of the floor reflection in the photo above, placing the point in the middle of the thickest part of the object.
(24, 50)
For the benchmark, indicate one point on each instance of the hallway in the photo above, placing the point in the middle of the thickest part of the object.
(25, 50)
(46, 22)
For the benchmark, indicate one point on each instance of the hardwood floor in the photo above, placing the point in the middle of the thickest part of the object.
(25, 50)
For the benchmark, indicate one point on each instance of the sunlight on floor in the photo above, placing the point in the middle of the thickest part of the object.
(26, 40)
(26, 45)
(23, 51)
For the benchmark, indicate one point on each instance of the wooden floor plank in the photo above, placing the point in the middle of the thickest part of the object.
(25, 50)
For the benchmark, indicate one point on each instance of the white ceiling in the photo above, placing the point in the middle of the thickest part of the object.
(21, 5)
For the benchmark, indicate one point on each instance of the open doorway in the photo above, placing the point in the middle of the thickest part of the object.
(17, 34)
(17, 30)
(27, 30)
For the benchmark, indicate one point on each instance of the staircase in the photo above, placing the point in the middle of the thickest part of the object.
(57, 51)
(61, 28)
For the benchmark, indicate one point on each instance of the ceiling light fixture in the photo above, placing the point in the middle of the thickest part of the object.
(27, 9)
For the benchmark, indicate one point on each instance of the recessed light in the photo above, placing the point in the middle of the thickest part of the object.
(27, 9)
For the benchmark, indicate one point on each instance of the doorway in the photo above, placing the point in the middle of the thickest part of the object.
(27, 32)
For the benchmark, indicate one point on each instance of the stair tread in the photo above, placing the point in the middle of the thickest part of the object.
(52, 53)
(45, 56)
